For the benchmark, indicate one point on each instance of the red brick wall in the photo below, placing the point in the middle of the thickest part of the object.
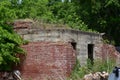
(105, 51)
(47, 61)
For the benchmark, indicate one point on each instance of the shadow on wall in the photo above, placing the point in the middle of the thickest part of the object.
(118, 49)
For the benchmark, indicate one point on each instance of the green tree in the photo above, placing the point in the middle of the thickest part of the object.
(10, 44)
(66, 13)
(91, 15)
(101, 16)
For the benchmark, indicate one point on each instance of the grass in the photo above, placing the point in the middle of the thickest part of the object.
(98, 66)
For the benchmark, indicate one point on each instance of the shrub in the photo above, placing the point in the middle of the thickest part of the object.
(99, 65)
(106, 65)
(9, 47)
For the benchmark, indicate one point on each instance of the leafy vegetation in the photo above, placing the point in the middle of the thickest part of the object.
(101, 16)
(98, 66)
(9, 48)
(91, 15)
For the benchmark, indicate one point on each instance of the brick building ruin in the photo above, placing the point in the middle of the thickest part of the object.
(52, 53)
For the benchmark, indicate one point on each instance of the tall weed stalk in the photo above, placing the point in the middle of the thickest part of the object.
(96, 66)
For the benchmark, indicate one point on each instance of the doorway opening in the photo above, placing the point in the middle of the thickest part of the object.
(90, 53)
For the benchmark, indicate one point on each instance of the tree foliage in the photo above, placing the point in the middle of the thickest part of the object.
(10, 42)
(102, 16)
(9, 48)
(66, 13)
(90, 15)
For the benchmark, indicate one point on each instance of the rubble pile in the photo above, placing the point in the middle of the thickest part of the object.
(96, 76)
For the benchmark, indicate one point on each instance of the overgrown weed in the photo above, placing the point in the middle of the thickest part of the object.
(97, 66)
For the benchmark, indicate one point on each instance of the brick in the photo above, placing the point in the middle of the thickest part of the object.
(54, 60)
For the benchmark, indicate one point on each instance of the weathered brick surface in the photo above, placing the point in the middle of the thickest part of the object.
(48, 61)
(32, 32)
(22, 24)
(106, 51)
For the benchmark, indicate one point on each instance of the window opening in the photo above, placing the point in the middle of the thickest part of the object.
(73, 45)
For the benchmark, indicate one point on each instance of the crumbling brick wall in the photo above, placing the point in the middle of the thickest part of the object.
(47, 61)
(106, 51)
(49, 57)
(29, 30)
